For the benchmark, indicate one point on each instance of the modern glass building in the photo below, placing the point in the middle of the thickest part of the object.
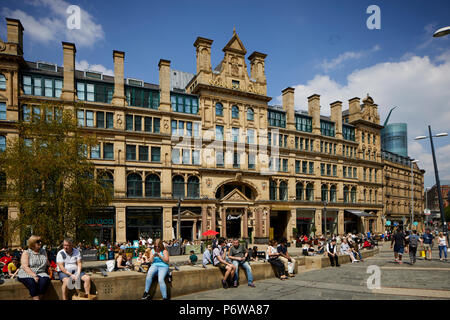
(394, 138)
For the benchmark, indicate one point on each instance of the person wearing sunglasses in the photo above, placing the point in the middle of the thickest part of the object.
(33, 270)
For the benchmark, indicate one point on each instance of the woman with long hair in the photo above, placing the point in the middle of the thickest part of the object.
(159, 258)
(272, 256)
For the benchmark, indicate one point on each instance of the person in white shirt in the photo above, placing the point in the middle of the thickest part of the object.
(332, 253)
(345, 250)
(68, 262)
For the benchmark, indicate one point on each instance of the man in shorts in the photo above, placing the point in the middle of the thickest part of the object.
(68, 260)
(398, 239)
(427, 243)
(219, 261)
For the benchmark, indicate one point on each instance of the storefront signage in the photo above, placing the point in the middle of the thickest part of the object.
(89, 255)
(102, 222)
(219, 83)
(230, 217)
(415, 223)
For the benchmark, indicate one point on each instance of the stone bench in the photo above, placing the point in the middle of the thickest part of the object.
(129, 285)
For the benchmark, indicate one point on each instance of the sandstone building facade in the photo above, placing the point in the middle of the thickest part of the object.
(213, 144)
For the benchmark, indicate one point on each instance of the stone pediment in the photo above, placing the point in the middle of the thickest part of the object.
(235, 45)
(235, 196)
(188, 214)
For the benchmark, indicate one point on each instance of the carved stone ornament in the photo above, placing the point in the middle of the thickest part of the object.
(2, 45)
(119, 119)
(209, 182)
(166, 124)
(121, 224)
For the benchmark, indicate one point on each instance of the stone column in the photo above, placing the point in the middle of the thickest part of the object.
(245, 224)
(223, 218)
(318, 221)
(68, 90)
(341, 222)
(167, 223)
(121, 235)
(258, 226)
(212, 211)
(194, 230)
(204, 219)
(268, 223)
(119, 88)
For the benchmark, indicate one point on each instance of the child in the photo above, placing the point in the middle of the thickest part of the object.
(193, 258)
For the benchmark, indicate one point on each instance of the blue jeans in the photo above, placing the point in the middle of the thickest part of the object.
(357, 253)
(162, 272)
(442, 249)
(247, 268)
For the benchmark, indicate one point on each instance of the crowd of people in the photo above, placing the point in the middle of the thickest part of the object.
(34, 267)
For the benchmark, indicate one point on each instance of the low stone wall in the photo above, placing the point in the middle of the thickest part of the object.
(129, 285)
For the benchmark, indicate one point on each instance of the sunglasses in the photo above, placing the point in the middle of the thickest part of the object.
(39, 242)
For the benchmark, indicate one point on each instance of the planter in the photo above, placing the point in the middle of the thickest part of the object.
(102, 257)
(129, 254)
(110, 255)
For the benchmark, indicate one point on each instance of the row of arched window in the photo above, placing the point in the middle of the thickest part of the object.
(234, 112)
(151, 186)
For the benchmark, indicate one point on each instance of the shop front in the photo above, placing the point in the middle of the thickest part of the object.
(145, 222)
(101, 226)
(353, 221)
(190, 223)
(278, 224)
(331, 224)
(305, 222)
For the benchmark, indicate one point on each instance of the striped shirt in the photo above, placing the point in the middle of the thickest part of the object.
(37, 263)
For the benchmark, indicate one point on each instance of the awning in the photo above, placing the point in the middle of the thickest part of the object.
(360, 213)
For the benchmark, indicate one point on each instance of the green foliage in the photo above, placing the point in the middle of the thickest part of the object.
(129, 250)
(142, 249)
(102, 250)
(50, 177)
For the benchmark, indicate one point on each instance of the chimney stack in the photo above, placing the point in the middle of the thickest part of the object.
(289, 107)
(119, 88)
(68, 91)
(354, 108)
(203, 47)
(14, 30)
(336, 116)
(314, 112)
(164, 84)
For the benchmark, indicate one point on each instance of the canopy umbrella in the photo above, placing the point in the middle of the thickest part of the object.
(210, 233)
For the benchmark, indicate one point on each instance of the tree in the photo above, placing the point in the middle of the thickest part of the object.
(49, 176)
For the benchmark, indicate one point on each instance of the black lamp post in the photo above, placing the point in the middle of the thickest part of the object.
(436, 173)
(325, 216)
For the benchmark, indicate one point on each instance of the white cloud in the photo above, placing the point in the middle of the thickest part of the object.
(52, 26)
(84, 65)
(327, 65)
(417, 85)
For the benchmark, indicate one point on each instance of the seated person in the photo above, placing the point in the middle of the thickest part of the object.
(238, 254)
(121, 261)
(332, 253)
(220, 262)
(254, 256)
(346, 250)
(288, 261)
(367, 244)
(192, 258)
(68, 260)
(5, 260)
(321, 247)
(355, 250)
(207, 258)
(305, 249)
(141, 259)
(272, 255)
(129, 262)
(13, 268)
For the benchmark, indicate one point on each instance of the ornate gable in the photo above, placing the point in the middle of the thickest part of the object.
(235, 196)
(235, 45)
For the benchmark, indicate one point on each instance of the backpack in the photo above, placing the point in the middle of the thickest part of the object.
(413, 240)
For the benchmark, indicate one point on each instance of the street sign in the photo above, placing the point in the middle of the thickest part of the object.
(388, 223)
(415, 223)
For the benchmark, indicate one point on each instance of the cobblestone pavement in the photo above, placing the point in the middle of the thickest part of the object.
(423, 280)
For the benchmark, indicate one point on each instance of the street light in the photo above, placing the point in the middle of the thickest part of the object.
(325, 216)
(436, 173)
(412, 193)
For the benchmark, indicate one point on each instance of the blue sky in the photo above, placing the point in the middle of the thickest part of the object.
(319, 47)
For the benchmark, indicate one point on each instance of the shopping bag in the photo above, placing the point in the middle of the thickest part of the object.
(422, 253)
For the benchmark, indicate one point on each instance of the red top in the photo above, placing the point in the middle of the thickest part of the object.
(6, 260)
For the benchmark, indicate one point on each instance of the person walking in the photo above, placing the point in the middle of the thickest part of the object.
(398, 239)
(413, 243)
(442, 246)
(427, 243)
